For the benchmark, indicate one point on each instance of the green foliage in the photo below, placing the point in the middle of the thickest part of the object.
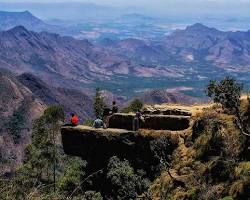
(227, 198)
(227, 92)
(43, 154)
(210, 142)
(99, 103)
(54, 114)
(161, 147)
(92, 195)
(16, 124)
(135, 105)
(89, 122)
(73, 173)
(122, 179)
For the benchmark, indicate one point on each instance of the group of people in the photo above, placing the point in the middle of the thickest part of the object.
(98, 123)
(107, 113)
(104, 122)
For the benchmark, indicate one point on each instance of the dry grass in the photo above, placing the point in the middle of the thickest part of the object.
(194, 109)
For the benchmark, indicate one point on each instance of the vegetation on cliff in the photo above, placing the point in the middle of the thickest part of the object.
(208, 161)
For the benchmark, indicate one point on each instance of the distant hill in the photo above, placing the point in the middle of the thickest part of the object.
(65, 61)
(9, 20)
(187, 57)
(23, 99)
(160, 96)
(197, 44)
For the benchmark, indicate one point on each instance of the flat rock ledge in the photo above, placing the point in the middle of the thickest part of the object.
(96, 146)
(153, 122)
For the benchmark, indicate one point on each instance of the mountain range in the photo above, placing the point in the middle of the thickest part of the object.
(197, 53)
(9, 20)
(65, 60)
(195, 44)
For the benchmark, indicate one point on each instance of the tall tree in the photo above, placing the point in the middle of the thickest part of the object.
(227, 92)
(99, 103)
(42, 154)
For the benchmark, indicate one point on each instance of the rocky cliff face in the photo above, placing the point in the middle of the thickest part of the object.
(23, 99)
(18, 108)
(98, 145)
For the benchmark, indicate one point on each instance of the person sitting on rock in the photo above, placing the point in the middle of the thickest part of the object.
(98, 123)
(73, 120)
(114, 108)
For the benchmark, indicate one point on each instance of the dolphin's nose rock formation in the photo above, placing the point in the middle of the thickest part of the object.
(96, 146)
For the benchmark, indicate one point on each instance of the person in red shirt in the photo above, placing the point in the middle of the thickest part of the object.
(74, 120)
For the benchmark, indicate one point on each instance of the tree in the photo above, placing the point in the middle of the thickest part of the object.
(42, 154)
(16, 124)
(122, 179)
(72, 175)
(135, 105)
(99, 103)
(53, 115)
(227, 92)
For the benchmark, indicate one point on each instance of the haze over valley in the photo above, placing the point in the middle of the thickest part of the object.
(124, 65)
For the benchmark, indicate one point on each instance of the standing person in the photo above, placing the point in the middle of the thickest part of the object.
(106, 117)
(136, 121)
(114, 108)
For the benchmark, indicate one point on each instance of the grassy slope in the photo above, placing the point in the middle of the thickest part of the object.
(209, 163)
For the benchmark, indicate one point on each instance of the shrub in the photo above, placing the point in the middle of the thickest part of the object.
(72, 176)
(92, 195)
(210, 142)
(89, 122)
(135, 105)
(227, 92)
(122, 179)
(16, 124)
(99, 104)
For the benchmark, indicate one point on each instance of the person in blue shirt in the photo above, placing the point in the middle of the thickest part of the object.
(98, 123)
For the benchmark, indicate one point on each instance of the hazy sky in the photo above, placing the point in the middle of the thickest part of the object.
(164, 7)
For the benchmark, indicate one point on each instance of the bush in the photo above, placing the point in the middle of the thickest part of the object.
(16, 124)
(210, 142)
(72, 176)
(92, 195)
(227, 92)
(122, 179)
(89, 122)
(134, 106)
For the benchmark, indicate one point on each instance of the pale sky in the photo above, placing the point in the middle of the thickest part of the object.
(163, 7)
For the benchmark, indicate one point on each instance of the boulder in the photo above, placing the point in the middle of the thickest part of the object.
(155, 122)
(166, 111)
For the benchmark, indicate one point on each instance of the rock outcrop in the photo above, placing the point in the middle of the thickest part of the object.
(166, 111)
(98, 145)
(151, 121)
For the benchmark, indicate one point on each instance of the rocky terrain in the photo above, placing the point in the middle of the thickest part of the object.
(204, 156)
(18, 108)
(159, 96)
(65, 60)
(23, 99)
(195, 44)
